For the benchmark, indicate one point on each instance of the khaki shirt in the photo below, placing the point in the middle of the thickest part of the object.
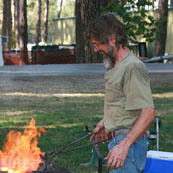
(127, 91)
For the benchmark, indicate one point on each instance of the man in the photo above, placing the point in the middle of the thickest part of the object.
(128, 104)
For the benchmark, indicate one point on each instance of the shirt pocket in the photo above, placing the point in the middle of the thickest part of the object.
(113, 92)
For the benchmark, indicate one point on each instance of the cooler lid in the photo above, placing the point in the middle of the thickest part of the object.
(160, 155)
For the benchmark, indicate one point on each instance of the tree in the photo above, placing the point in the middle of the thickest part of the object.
(104, 3)
(46, 14)
(85, 11)
(161, 32)
(7, 22)
(1, 17)
(68, 8)
(171, 3)
(135, 24)
(23, 36)
(38, 27)
(67, 11)
(59, 8)
(16, 22)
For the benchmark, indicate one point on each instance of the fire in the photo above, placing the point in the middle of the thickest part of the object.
(20, 153)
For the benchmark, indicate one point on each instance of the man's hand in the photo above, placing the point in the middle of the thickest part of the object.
(99, 132)
(117, 156)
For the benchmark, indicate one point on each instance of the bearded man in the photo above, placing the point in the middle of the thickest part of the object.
(128, 103)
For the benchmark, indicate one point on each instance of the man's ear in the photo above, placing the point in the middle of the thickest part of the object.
(112, 41)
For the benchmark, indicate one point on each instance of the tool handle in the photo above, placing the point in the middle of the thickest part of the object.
(74, 142)
(76, 148)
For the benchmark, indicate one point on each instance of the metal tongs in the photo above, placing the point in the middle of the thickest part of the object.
(65, 148)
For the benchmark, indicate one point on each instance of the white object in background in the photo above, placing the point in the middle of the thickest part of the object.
(160, 155)
(1, 57)
(159, 162)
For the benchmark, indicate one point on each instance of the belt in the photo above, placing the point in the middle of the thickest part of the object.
(117, 132)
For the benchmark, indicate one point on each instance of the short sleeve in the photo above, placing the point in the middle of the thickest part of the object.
(137, 88)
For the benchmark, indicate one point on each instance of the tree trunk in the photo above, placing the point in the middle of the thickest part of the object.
(171, 3)
(104, 3)
(16, 22)
(7, 22)
(153, 7)
(86, 10)
(161, 34)
(45, 35)
(4, 22)
(23, 37)
(59, 8)
(38, 29)
(80, 55)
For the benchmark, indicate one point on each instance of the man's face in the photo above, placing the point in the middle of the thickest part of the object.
(107, 52)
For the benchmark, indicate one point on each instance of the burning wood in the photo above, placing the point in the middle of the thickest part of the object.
(20, 153)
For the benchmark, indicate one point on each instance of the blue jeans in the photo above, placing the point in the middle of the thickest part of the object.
(136, 158)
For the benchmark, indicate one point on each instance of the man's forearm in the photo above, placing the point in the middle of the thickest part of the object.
(141, 125)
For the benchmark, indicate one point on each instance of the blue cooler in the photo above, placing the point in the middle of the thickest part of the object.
(159, 162)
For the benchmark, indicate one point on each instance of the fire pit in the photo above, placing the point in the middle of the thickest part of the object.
(20, 153)
(47, 168)
(50, 168)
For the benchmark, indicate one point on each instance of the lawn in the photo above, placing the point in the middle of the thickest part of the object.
(64, 107)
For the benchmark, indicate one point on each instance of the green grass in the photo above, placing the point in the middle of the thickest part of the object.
(163, 100)
(65, 118)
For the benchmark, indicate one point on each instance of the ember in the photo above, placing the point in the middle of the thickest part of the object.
(20, 153)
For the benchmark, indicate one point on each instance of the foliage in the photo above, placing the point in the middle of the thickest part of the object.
(136, 21)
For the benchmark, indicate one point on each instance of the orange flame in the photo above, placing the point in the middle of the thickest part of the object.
(20, 154)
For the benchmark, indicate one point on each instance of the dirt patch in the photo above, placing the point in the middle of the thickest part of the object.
(53, 84)
(70, 84)
(9, 113)
(161, 80)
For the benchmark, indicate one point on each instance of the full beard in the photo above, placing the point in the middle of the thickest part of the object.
(109, 60)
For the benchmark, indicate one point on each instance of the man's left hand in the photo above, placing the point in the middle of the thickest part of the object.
(117, 156)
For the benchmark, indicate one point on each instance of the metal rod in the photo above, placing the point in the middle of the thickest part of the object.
(76, 148)
(100, 160)
(157, 133)
(74, 142)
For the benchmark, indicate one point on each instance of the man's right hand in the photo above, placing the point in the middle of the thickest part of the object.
(99, 132)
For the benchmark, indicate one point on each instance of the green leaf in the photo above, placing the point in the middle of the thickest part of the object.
(135, 23)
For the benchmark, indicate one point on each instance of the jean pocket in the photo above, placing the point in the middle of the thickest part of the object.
(140, 153)
(137, 152)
